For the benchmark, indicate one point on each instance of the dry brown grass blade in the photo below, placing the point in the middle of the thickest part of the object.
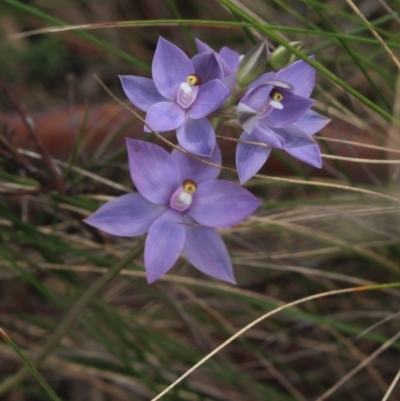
(271, 313)
(391, 387)
(374, 32)
(359, 367)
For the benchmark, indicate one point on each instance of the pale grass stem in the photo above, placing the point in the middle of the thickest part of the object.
(271, 313)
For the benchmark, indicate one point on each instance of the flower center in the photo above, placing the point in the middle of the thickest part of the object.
(193, 80)
(189, 186)
(276, 98)
(273, 102)
(188, 90)
(182, 198)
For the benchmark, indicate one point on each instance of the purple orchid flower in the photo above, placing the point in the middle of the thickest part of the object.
(276, 112)
(179, 205)
(228, 58)
(181, 95)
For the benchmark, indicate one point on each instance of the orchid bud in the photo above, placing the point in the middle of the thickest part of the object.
(283, 57)
(252, 65)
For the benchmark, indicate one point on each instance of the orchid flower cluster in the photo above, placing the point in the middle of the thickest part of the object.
(180, 202)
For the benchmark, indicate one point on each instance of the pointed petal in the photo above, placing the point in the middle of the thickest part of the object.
(207, 67)
(206, 251)
(309, 154)
(250, 158)
(194, 170)
(267, 135)
(211, 96)
(164, 244)
(247, 117)
(230, 81)
(221, 203)
(170, 68)
(152, 170)
(257, 97)
(311, 122)
(264, 78)
(202, 47)
(279, 84)
(293, 137)
(165, 116)
(140, 91)
(293, 108)
(299, 74)
(226, 70)
(196, 136)
(231, 58)
(126, 216)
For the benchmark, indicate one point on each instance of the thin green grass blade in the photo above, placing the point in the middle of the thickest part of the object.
(29, 366)
(265, 29)
(105, 46)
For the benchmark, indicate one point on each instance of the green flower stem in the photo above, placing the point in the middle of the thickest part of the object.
(71, 316)
(265, 29)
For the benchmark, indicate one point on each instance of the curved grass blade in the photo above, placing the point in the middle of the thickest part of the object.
(29, 366)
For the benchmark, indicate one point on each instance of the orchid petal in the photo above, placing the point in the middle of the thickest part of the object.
(195, 170)
(293, 137)
(257, 97)
(279, 84)
(294, 107)
(126, 216)
(211, 96)
(153, 172)
(225, 70)
(247, 117)
(250, 158)
(311, 122)
(196, 136)
(206, 251)
(230, 81)
(202, 47)
(141, 91)
(267, 135)
(170, 68)
(165, 116)
(310, 154)
(299, 74)
(164, 244)
(221, 203)
(262, 80)
(207, 67)
(231, 58)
